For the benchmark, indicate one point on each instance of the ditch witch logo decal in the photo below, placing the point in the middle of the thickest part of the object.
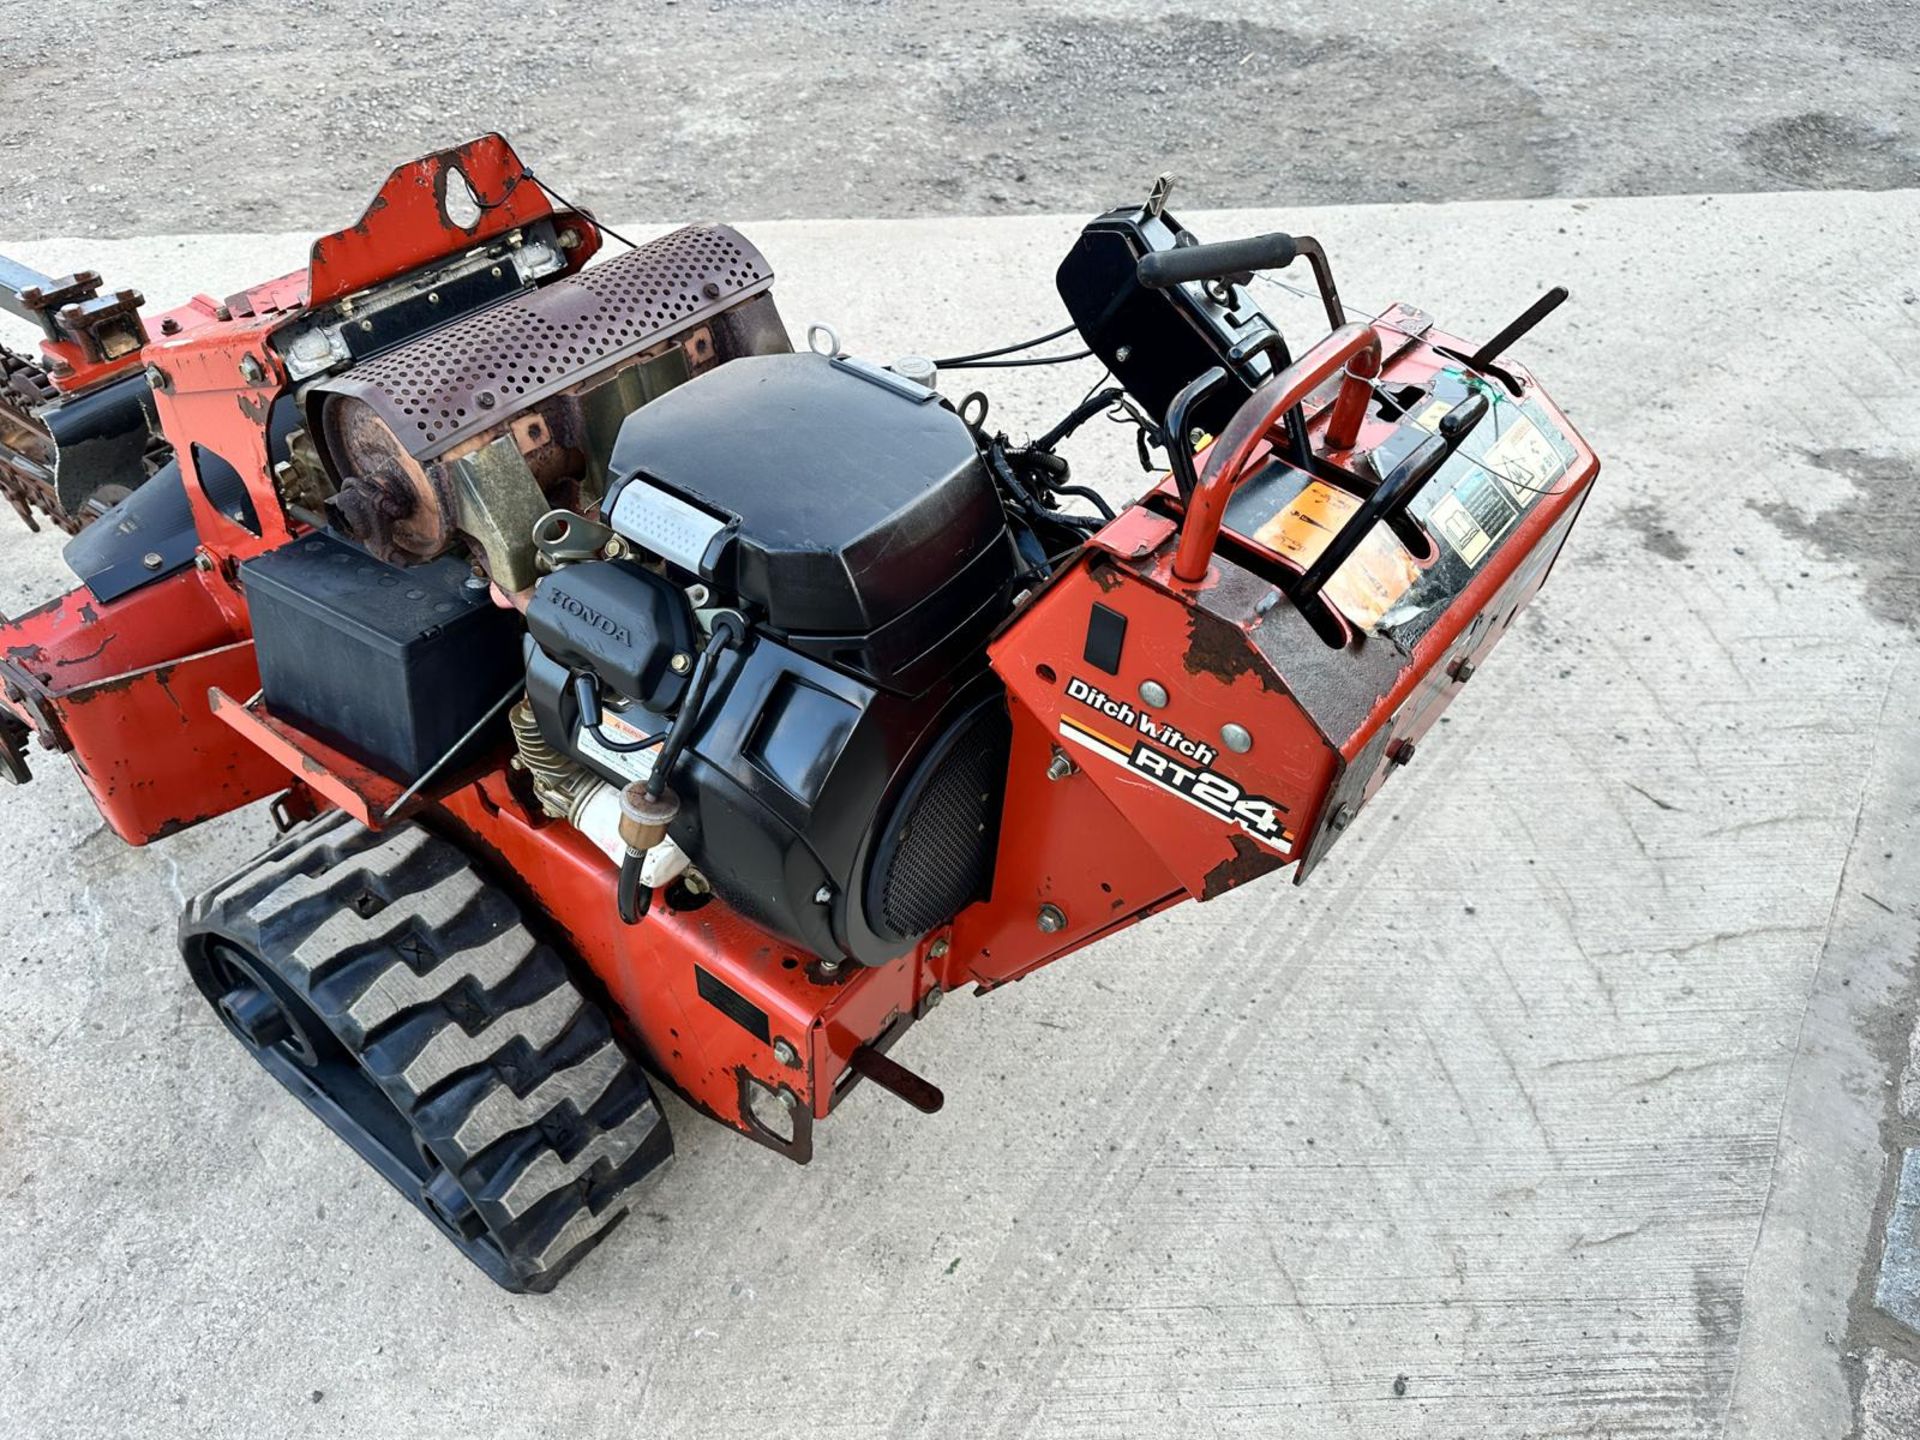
(1143, 747)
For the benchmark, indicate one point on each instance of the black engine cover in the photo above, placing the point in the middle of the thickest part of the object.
(623, 623)
(845, 507)
(844, 818)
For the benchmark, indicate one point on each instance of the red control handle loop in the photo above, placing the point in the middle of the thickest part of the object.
(1252, 423)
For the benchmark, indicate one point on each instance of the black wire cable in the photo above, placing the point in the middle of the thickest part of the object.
(727, 632)
(598, 223)
(1078, 416)
(1013, 364)
(586, 699)
(954, 360)
(1089, 494)
(632, 898)
(1002, 467)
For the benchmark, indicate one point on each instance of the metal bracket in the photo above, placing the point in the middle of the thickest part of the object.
(1157, 197)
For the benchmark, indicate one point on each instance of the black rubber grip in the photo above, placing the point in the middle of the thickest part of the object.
(1215, 262)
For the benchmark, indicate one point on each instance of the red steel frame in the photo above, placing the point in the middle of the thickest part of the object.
(148, 696)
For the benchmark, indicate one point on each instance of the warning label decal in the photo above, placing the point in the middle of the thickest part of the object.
(1377, 574)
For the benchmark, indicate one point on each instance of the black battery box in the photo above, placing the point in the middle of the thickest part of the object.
(391, 666)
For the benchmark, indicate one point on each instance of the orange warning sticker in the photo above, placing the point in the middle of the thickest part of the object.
(1376, 575)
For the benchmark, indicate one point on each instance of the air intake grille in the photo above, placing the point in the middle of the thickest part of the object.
(936, 854)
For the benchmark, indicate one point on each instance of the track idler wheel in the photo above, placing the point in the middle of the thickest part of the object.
(403, 1000)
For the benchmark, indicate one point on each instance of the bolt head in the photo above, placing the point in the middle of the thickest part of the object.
(1341, 818)
(153, 560)
(1462, 670)
(156, 377)
(251, 370)
(1153, 693)
(824, 896)
(680, 664)
(1051, 920)
(938, 950)
(1236, 738)
(784, 1052)
(1059, 767)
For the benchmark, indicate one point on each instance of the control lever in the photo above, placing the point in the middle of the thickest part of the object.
(896, 1079)
(1483, 359)
(1391, 496)
(1180, 435)
(1518, 326)
(1233, 260)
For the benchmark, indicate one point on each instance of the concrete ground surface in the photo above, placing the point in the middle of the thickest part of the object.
(1558, 1103)
(261, 115)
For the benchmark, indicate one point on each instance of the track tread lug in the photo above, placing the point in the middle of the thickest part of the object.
(468, 1023)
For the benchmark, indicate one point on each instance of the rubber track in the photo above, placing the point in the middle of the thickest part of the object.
(469, 1023)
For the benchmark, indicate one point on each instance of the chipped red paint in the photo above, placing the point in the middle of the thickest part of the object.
(407, 224)
(339, 779)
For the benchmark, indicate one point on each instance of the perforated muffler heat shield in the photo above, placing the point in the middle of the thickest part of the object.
(455, 382)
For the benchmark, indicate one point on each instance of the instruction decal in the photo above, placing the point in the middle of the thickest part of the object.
(1369, 581)
(1474, 514)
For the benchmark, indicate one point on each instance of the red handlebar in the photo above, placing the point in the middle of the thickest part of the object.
(1251, 424)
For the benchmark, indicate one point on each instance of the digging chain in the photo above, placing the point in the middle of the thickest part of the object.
(26, 447)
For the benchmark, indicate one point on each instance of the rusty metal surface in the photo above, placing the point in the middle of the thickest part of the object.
(459, 381)
(551, 372)
(26, 448)
(364, 793)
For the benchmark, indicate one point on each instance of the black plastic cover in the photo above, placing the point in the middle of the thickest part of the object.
(110, 555)
(1157, 341)
(857, 514)
(800, 781)
(393, 666)
(623, 623)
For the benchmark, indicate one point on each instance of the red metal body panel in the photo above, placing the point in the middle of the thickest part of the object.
(408, 225)
(122, 689)
(651, 972)
(1062, 843)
